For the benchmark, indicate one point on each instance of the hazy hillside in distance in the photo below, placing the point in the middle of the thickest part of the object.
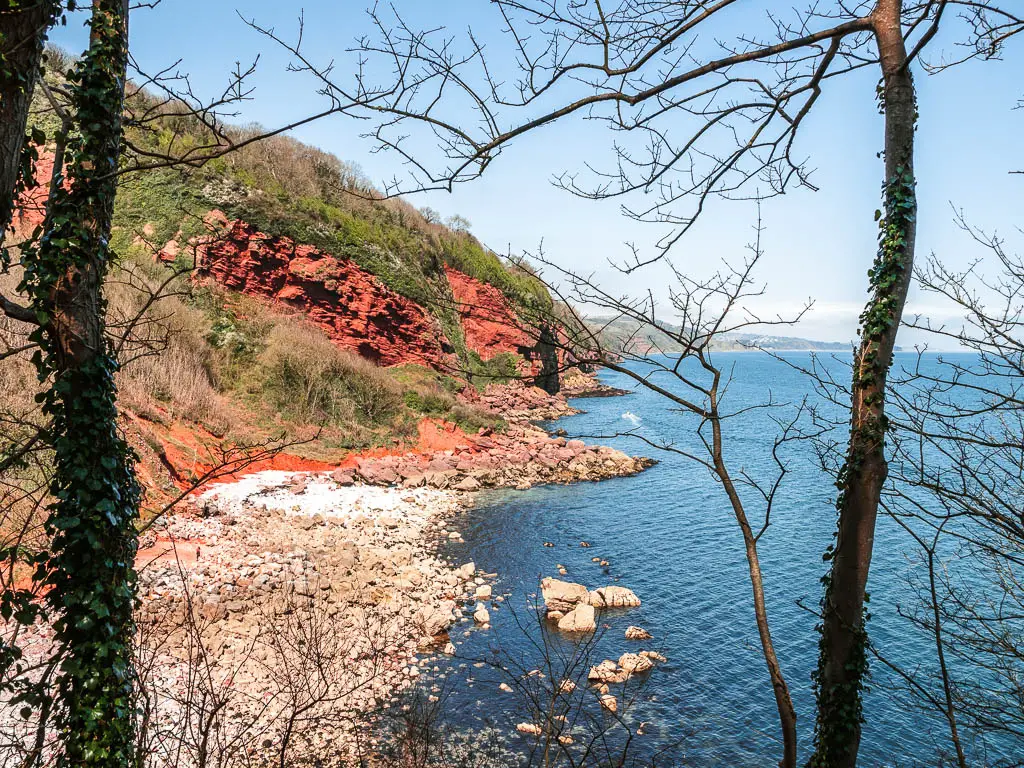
(617, 331)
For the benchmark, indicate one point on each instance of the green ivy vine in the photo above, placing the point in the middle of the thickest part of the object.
(840, 705)
(19, 604)
(88, 575)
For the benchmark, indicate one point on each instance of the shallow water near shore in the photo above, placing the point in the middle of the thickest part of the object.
(669, 535)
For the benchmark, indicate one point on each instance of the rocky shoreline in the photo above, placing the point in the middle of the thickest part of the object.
(311, 598)
(520, 456)
(327, 586)
(575, 383)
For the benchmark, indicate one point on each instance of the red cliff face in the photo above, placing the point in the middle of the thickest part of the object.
(356, 309)
(488, 320)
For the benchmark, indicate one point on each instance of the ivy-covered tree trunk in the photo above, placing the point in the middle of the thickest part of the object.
(23, 27)
(89, 572)
(842, 665)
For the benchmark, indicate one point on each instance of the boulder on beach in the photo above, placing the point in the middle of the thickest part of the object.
(435, 619)
(342, 476)
(468, 484)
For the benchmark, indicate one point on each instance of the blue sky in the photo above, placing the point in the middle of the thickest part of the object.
(818, 244)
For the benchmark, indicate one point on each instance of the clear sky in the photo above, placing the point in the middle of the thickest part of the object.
(818, 244)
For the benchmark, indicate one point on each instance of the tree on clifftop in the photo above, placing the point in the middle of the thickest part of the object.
(644, 68)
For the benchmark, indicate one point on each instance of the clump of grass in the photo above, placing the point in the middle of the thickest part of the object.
(171, 365)
(310, 380)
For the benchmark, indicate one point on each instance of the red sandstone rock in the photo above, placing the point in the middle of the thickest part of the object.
(488, 320)
(352, 305)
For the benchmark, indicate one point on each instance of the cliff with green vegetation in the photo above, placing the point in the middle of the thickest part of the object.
(272, 294)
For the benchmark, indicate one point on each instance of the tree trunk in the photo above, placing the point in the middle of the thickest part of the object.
(783, 701)
(842, 665)
(23, 28)
(90, 570)
(547, 351)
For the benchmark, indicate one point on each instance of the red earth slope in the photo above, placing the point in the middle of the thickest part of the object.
(352, 305)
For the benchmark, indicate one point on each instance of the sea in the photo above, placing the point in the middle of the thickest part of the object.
(669, 534)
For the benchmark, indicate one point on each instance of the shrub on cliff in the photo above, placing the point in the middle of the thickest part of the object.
(501, 368)
(310, 380)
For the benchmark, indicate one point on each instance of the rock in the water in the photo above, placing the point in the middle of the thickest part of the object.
(435, 620)
(637, 633)
(505, 687)
(613, 597)
(481, 616)
(483, 592)
(610, 703)
(530, 728)
(579, 619)
(634, 663)
(607, 672)
(653, 656)
(562, 595)
(467, 571)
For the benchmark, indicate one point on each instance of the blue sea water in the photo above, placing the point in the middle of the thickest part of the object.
(670, 535)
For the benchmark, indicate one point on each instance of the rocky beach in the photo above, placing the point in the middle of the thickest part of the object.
(316, 597)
